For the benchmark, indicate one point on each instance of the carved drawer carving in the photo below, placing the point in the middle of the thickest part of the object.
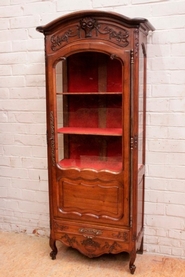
(93, 247)
(93, 231)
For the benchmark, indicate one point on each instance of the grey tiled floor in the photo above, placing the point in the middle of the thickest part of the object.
(22, 255)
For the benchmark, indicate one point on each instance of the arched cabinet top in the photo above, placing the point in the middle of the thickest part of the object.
(102, 27)
(89, 19)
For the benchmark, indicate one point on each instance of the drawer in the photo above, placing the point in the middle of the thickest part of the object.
(92, 231)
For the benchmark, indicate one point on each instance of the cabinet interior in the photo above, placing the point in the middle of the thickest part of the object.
(89, 111)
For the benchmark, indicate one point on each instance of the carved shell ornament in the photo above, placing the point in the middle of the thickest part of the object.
(91, 28)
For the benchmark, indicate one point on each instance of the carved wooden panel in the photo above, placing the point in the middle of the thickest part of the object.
(52, 138)
(90, 27)
(95, 199)
(93, 247)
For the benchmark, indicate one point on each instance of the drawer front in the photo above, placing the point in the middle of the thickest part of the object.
(97, 200)
(92, 241)
(92, 231)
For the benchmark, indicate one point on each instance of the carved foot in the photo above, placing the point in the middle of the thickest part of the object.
(53, 254)
(54, 249)
(132, 268)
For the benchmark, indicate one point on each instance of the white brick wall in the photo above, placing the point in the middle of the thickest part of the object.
(23, 166)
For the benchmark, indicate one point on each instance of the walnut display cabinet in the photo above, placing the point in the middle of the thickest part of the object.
(96, 97)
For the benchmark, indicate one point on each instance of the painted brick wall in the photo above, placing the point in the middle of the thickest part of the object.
(23, 166)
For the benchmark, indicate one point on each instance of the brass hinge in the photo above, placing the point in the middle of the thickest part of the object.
(134, 142)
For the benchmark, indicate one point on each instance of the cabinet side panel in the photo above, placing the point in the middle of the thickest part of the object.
(141, 133)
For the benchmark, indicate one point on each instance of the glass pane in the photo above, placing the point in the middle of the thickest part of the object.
(89, 112)
(59, 82)
(141, 106)
(94, 72)
(90, 151)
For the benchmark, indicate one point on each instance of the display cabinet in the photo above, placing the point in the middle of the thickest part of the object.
(96, 98)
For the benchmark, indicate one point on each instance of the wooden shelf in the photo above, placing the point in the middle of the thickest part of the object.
(91, 131)
(112, 164)
(90, 93)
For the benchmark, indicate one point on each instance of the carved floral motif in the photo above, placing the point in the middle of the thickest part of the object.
(136, 43)
(112, 247)
(121, 235)
(61, 227)
(52, 138)
(58, 41)
(121, 37)
(91, 245)
(70, 241)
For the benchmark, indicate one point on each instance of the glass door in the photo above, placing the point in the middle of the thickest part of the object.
(89, 112)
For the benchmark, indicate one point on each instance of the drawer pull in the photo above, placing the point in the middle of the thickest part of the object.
(92, 232)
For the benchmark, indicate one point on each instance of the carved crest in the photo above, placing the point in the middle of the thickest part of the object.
(88, 24)
(89, 27)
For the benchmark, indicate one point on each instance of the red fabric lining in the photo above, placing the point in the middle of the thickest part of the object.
(82, 72)
(99, 146)
(114, 164)
(114, 75)
(87, 110)
(84, 110)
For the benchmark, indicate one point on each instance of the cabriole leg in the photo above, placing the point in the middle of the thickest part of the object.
(132, 267)
(54, 251)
